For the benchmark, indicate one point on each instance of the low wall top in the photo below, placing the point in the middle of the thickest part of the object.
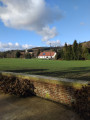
(46, 79)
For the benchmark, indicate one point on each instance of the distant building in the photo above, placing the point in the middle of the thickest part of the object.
(47, 55)
(25, 52)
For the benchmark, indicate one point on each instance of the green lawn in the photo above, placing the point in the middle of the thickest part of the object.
(56, 68)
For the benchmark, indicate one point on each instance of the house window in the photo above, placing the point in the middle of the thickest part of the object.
(43, 53)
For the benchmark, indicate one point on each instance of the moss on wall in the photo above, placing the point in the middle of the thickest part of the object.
(66, 82)
(47, 96)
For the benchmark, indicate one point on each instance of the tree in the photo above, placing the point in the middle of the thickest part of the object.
(59, 54)
(75, 50)
(18, 54)
(65, 51)
(1, 55)
(32, 55)
(69, 53)
(27, 55)
(80, 51)
(38, 52)
(86, 53)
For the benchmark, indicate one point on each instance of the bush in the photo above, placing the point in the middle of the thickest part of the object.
(15, 86)
(82, 104)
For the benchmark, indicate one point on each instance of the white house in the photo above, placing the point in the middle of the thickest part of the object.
(47, 55)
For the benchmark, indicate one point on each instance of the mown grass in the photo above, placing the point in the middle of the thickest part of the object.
(56, 68)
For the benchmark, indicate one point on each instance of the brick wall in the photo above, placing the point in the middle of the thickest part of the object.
(56, 89)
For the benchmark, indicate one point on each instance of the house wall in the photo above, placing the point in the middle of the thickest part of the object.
(47, 57)
(55, 89)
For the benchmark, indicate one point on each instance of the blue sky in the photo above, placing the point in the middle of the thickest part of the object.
(26, 24)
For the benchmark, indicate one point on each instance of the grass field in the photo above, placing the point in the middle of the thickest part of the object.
(64, 69)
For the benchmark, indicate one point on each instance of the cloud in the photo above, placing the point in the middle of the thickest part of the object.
(48, 33)
(76, 7)
(34, 15)
(82, 23)
(11, 46)
(53, 43)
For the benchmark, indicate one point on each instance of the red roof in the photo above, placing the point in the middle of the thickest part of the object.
(47, 53)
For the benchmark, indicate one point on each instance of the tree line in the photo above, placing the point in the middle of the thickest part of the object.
(18, 54)
(77, 51)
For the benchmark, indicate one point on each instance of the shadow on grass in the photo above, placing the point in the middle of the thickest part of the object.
(81, 73)
(27, 70)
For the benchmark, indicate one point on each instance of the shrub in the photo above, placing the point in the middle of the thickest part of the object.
(15, 86)
(82, 104)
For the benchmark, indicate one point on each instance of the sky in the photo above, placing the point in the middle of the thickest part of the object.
(34, 23)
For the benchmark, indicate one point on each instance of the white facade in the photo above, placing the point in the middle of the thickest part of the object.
(47, 57)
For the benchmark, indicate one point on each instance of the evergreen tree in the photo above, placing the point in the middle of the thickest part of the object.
(80, 51)
(75, 50)
(59, 54)
(70, 53)
(65, 51)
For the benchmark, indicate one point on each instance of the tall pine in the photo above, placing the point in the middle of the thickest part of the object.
(70, 52)
(65, 51)
(75, 50)
(80, 51)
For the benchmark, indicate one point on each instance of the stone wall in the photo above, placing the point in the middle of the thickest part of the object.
(55, 89)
